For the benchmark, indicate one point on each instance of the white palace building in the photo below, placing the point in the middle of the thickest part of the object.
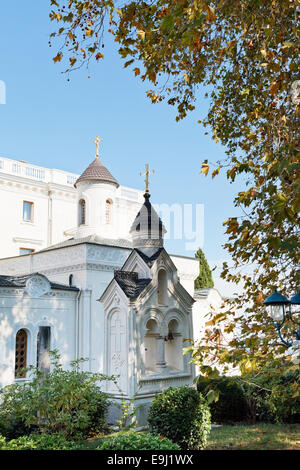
(83, 270)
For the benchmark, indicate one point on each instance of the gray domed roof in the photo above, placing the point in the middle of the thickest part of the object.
(96, 171)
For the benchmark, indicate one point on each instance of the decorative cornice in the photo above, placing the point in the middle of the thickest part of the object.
(81, 267)
(28, 240)
(11, 292)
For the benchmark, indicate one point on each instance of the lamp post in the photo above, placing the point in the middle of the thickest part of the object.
(280, 308)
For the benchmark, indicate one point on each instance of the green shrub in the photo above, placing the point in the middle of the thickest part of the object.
(274, 396)
(38, 442)
(65, 401)
(232, 406)
(137, 441)
(2, 442)
(182, 415)
(12, 428)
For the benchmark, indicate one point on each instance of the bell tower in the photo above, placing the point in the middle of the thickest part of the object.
(96, 189)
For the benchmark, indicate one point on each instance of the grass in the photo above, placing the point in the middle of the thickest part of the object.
(241, 437)
(257, 437)
(94, 442)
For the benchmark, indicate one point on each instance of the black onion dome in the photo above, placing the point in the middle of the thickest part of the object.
(148, 219)
(96, 171)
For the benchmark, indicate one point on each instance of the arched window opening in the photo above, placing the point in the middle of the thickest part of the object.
(43, 349)
(21, 354)
(71, 279)
(150, 345)
(173, 344)
(162, 289)
(108, 211)
(82, 212)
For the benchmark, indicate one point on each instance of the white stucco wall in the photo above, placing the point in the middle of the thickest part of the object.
(20, 311)
(55, 202)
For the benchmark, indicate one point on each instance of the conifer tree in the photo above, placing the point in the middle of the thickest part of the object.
(204, 280)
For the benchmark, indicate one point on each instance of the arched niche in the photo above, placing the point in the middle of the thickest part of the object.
(82, 212)
(150, 345)
(162, 287)
(43, 360)
(173, 345)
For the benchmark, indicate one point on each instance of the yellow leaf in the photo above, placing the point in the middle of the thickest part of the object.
(264, 53)
(283, 119)
(89, 32)
(205, 169)
(186, 77)
(141, 34)
(215, 172)
(72, 60)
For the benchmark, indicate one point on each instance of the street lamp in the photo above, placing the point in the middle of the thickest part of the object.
(280, 308)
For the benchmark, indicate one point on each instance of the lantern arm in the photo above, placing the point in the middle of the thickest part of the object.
(286, 342)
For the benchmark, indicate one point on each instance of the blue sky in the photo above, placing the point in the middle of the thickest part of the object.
(51, 122)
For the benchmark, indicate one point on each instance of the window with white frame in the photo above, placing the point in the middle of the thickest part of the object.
(27, 211)
(26, 251)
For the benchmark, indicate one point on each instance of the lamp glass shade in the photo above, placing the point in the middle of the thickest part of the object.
(295, 307)
(277, 312)
(295, 300)
(295, 311)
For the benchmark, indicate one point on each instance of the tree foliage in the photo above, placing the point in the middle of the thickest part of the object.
(246, 54)
(204, 280)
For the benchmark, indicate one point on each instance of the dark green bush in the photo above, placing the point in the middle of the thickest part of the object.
(265, 395)
(12, 428)
(275, 397)
(182, 415)
(65, 401)
(137, 441)
(38, 442)
(232, 406)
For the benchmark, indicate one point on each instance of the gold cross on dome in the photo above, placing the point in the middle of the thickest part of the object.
(147, 173)
(97, 145)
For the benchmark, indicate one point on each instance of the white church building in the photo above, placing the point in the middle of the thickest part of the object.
(83, 270)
